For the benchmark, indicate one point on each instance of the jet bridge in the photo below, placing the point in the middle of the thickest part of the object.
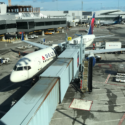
(38, 105)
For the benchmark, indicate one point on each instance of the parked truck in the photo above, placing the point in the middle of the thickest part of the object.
(120, 77)
(4, 60)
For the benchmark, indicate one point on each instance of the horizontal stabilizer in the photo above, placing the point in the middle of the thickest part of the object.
(77, 34)
(103, 51)
(104, 36)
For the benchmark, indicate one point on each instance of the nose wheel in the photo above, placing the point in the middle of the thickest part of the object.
(34, 80)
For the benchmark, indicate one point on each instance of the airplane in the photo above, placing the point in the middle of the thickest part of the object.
(30, 65)
(111, 22)
(89, 38)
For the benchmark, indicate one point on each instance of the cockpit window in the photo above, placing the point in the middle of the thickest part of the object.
(19, 68)
(15, 67)
(29, 67)
(25, 67)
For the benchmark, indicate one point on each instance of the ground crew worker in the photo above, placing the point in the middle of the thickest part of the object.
(1, 61)
(33, 82)
(19, 54)
(86, 24)
(93, 46)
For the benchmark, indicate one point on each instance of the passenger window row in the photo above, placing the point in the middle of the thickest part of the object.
(46, 60)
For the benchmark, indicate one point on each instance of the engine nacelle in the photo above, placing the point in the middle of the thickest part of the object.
(94, 59)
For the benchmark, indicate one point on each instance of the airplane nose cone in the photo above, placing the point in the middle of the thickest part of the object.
(17, 77)
(13, 78)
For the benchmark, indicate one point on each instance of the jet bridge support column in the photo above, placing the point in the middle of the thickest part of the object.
(62, 30)
(26, 37)
(43, 33)
(81, 67)
(84, 68)
(90, 74)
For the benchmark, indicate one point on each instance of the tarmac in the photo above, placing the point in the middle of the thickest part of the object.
(107, 95)
(12, 92)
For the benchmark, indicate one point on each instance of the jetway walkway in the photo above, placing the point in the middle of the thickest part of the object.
(39, 103)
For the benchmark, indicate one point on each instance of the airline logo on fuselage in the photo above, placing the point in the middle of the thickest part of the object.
(43, 57)
(48, 55)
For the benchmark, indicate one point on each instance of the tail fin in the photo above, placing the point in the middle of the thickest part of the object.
(22, 38)
(92, 24)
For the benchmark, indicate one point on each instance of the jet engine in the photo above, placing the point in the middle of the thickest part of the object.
(94, 59)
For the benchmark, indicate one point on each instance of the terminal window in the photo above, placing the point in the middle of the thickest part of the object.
(48, 23)
(39, 23)
(87, 13)
(56, 22)
(22, 25)
(31, 25)
(65, 11)
(62, 22)
(9, 26)
(3, 26)
(107, 18)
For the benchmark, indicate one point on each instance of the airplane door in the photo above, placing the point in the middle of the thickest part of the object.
(39, 65)
(38, 62)
(25, 72)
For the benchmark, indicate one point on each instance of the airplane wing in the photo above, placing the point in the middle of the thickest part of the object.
(103, 51)
(41, 46)
(104, 36)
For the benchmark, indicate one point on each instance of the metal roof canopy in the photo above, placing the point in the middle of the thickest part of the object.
(62, 69)
(59, 65)
(26, 108)
(72, 53)
(66, 68)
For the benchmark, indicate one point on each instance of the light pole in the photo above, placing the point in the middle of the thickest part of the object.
(101, 5)
(82, 5)
(81, 12)
(118, 4)
(56, 3)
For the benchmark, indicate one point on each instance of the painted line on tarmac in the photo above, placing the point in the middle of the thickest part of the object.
(98, 82)
(115, 84)
(2, 112)
(103, 93)
(6, 87)
(13, 57)
(107, 78)
(11, 85)
(122, 119)
(66, 103)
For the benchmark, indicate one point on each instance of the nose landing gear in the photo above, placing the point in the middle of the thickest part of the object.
(34, 80)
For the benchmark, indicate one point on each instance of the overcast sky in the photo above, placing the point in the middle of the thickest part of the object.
(92, 5)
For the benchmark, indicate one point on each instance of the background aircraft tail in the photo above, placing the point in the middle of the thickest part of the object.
(22, 38)
(92, 24)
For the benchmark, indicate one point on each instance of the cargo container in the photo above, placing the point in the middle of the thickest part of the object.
(113, 45)
(121, 68)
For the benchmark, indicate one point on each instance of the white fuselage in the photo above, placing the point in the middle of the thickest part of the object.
(87, 40)
(31, 64)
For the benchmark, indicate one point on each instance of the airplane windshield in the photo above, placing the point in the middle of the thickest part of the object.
(15, 67)
(19, 68)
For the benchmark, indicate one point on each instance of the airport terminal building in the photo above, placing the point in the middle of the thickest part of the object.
(83, 16)
(16, 19)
